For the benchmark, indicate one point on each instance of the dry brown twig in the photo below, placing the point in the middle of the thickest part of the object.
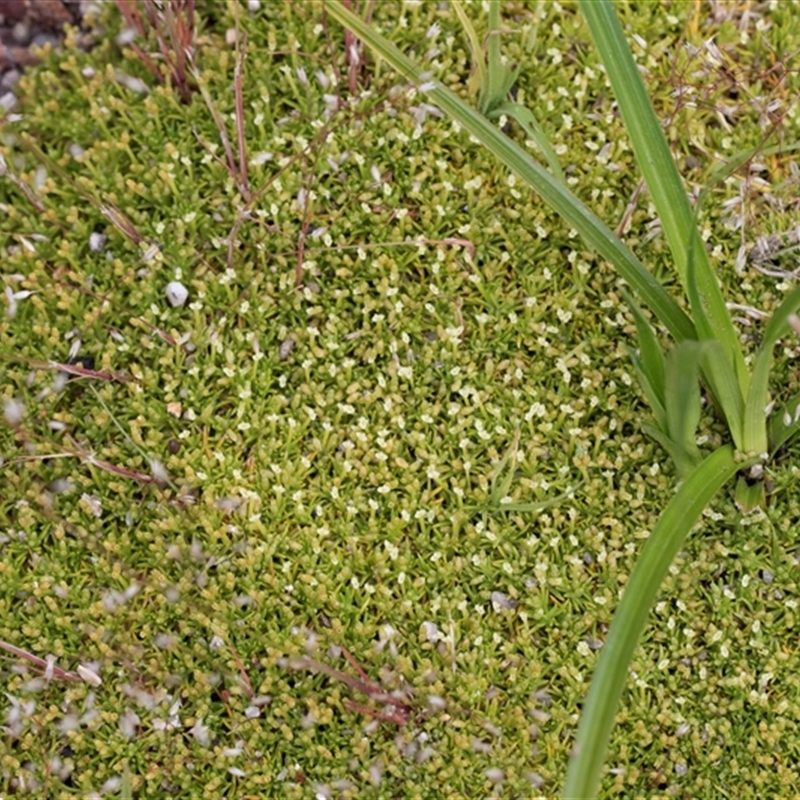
(49, 669)
(81, 372)
(174, 25)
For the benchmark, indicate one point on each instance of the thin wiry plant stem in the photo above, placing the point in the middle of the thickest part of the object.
(352, 57)
(238, 88)
(173, 23)
(248, 686)
(397, 710)
(47, 667)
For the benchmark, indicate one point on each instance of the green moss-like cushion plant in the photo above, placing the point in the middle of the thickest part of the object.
(323, 467)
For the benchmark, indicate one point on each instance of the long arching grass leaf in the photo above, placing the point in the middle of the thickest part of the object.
(611, 674)
(597, 235)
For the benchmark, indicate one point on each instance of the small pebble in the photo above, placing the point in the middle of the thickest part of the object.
(287, 345)
(20, 33)
(8, 101)
(536, 780)
(97, 241)
(43, 39)
(10, 79)
(126, 36)
(501, 601)
(495, 775)
(177, 294)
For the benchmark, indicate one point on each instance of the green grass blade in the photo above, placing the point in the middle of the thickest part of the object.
(776, 326)
(495, 80)
(748, 496)
(727, 393)
(597, 717)
(542, 505)
(682, 402)
(652, 356)
(595, 233)
(784, 423)
(525, 118)
(126, 787)
(500, 486)
(481, 73)
(660, 172)
(755, 425)
(728, 167)
(719, 370)
(654, 399)
(651, 148)
(673, 451)
(702, 319)
(498, 72)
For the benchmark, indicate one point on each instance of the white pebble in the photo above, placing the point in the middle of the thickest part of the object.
(177, 293)
(495, 775)
(14, 411)
(89, 675)
(8, 101)
(97, 241)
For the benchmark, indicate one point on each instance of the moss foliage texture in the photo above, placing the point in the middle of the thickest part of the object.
(208, 502)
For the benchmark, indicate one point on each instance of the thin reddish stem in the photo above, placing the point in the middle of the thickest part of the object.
(238, 89)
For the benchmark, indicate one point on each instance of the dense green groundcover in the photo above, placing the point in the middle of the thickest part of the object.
(325, 457)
